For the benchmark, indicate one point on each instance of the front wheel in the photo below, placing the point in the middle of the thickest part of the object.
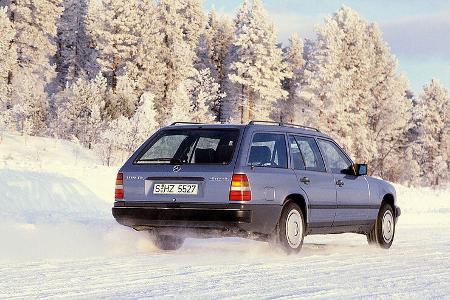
(291, 229)
(167, 242)
(383, 231)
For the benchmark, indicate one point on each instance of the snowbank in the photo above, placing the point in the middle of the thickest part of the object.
(43, 179)
(424, 206)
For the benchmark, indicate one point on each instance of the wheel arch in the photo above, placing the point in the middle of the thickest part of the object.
(301, 201)
(389, 199)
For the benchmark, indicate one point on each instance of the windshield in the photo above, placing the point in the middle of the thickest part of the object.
(191, 146)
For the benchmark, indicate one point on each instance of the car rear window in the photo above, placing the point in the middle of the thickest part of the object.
(191, 146)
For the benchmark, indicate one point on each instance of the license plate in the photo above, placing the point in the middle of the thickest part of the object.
(175, 188)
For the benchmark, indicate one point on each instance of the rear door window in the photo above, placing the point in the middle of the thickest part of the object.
(191, 146)
(312, 159)
(296, 155)
(268, 150)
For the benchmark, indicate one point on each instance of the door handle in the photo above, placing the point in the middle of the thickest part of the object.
(339, 183)
(305, 180)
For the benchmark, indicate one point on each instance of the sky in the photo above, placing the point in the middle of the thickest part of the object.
(417, 31)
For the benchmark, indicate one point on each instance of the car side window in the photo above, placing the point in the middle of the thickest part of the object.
(296, 156)
(310, 152)
(268, 150)
(334, 157)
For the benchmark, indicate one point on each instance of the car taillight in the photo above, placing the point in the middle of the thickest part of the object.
(119, 194)
(240, 188)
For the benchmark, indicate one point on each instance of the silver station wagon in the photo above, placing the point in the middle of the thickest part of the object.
(269, 181)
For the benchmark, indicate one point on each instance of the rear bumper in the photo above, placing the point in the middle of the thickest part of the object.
(198, 219)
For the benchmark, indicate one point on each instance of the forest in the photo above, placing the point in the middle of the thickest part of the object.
(108, 73)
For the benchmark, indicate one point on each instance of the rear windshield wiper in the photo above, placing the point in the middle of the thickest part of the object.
(176, 161)
(157, 159)
(171, 160)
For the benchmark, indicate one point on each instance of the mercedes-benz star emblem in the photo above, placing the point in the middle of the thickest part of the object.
(176, 168)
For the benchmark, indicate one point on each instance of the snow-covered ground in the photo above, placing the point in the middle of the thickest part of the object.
(58, 239)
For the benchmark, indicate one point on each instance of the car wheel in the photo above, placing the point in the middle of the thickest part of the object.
(291, 229)
(167, 242)
(382, 234)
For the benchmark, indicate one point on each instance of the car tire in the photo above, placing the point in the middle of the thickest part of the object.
(167, 242)
(290, 230)
(382, 233)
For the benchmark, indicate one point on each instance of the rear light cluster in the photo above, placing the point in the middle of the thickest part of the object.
(119, 187)
(240, 188)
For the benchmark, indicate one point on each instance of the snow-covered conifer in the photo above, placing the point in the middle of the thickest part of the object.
(75, 56)
(351, 88)
(148, 70)
(181, 107)
(143, 123)
(35, 42)
(81, 109)
(433, 118)
(30, 103)
(112, 25)
(113, 141)
(256, 69)
(335, 90)
(8, 62)
(295, 62)
(192, 20)
(213, 50)
(122, 101)
(205, 97)
(389, 109)
(8, 59)
(177, 57)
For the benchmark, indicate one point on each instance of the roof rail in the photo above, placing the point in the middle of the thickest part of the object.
(175, 123)
(283, 124)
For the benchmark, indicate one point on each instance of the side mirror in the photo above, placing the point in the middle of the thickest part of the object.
(360, 169)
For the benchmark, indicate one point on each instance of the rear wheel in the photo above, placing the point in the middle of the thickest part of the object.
(167, 242)
(382, 234)
(291, 229)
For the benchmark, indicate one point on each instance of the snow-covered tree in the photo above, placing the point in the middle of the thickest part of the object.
(433, 128)
(195, 98)
(219, 36)
(192, 19)
(35, 42)
(293, 57)
(181, 107)
(256, 69)
(207, 78)
(352, 89)
(112, 25)
(30, 105)
(81, 110)
(122, 101)
(176, 54)
(389, 111)
(213, 49)
(205, 97)
(335, 91)
(112, 141)
(8, 59)
(148, 70)
(75, 57)
(143, 123)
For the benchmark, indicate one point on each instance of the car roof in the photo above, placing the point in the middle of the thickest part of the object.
(275, 127)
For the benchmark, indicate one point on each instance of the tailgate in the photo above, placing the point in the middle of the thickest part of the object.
(183, 165)
(188, 183)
